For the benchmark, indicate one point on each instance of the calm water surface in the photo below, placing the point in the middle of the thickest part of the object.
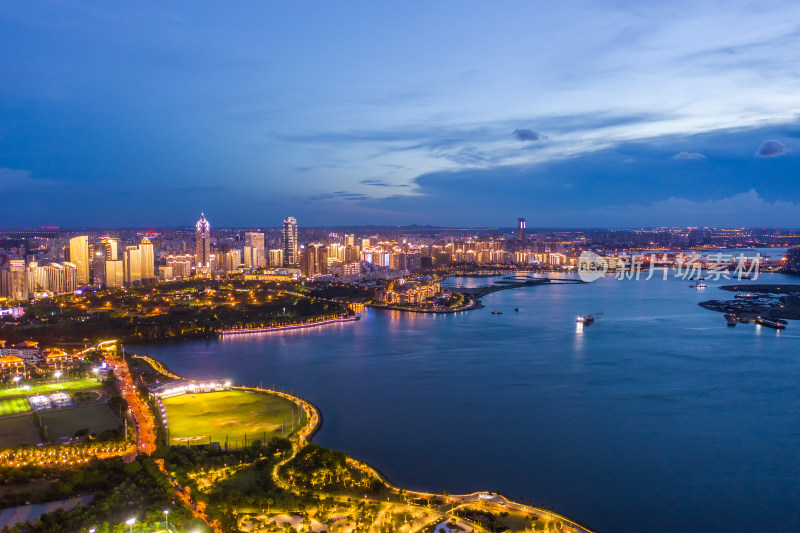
(656, 418)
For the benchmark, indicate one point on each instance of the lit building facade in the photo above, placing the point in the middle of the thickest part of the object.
(202, 246)
(255, 257)
(148, 260)
(132, 265)
(290, 256)
(79, 256)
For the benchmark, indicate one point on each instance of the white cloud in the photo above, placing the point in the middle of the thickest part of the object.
(686, 156)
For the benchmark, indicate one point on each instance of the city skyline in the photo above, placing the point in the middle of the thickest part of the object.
(587, 115)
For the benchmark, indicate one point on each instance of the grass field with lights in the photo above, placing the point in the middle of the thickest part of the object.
(65, 422)
(213, 416)
(77, 384)
(14, 406)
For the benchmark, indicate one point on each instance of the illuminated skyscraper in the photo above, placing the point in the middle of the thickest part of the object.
(254, 240)
(202, 247)
(109, 248)
(290, 258)
(520, 229)
(13, 280)
(276, 258)
(132, 265)
(147, 258)
(314, 260)
(115, 274)
(79, 256)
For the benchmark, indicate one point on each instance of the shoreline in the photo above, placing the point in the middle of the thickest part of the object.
(313, 423)
(224, 332)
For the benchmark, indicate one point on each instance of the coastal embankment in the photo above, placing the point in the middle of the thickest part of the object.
(284, 328)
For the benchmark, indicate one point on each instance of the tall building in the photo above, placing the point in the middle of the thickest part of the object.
(14, 281)
(181, 265)
(98, 267)
(349, 239)
(148, 260)
(290, 257)
(314, 260)
(79, 256)
(132, 265)
(108, 247)
(70, 277)
(255, 240)
(276, 258)
(520, 229)
(115, 274)
(202, 246)
(56, 278)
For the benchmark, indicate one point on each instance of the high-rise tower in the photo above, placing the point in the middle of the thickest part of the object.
(202, 247)
(290, 258)
(79, 256)
(520, 229)
(147, 259)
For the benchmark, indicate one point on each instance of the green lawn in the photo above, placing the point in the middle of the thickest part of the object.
(14, 406)
(86, 383)
(213, 416)
(65, 422)
(17, 431)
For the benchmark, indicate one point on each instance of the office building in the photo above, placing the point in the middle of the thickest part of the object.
(132, 265)
(108, 247)
(202, 246)
(148, 260)
(114, 274)
(520, 229)
(276, 258)
(314, 260)
(290, 257)
(79, 256)
(255, 240)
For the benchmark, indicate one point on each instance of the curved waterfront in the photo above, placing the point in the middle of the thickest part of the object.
(658, 417)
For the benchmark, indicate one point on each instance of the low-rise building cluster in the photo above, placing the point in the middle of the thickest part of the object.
(25, 359)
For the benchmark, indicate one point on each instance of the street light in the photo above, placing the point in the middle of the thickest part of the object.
(57, 375)
(130, 522)
(166, 518)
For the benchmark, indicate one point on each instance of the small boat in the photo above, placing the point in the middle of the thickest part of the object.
(585, 320)
(516, 309)
(744, 295)
(497, 312)
(743, 320)
(731, 318)
(698, 285)
(769, 323)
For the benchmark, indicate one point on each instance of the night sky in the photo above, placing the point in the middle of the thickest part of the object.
(460, 113)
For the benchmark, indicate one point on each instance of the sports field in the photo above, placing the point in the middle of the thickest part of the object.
(17, 431)
(87, 383)
(14, 406)
(65, 422)
(213, 416)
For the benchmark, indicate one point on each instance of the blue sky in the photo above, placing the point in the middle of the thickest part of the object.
(449, 113)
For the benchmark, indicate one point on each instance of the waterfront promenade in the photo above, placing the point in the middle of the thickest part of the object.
(311, 422)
